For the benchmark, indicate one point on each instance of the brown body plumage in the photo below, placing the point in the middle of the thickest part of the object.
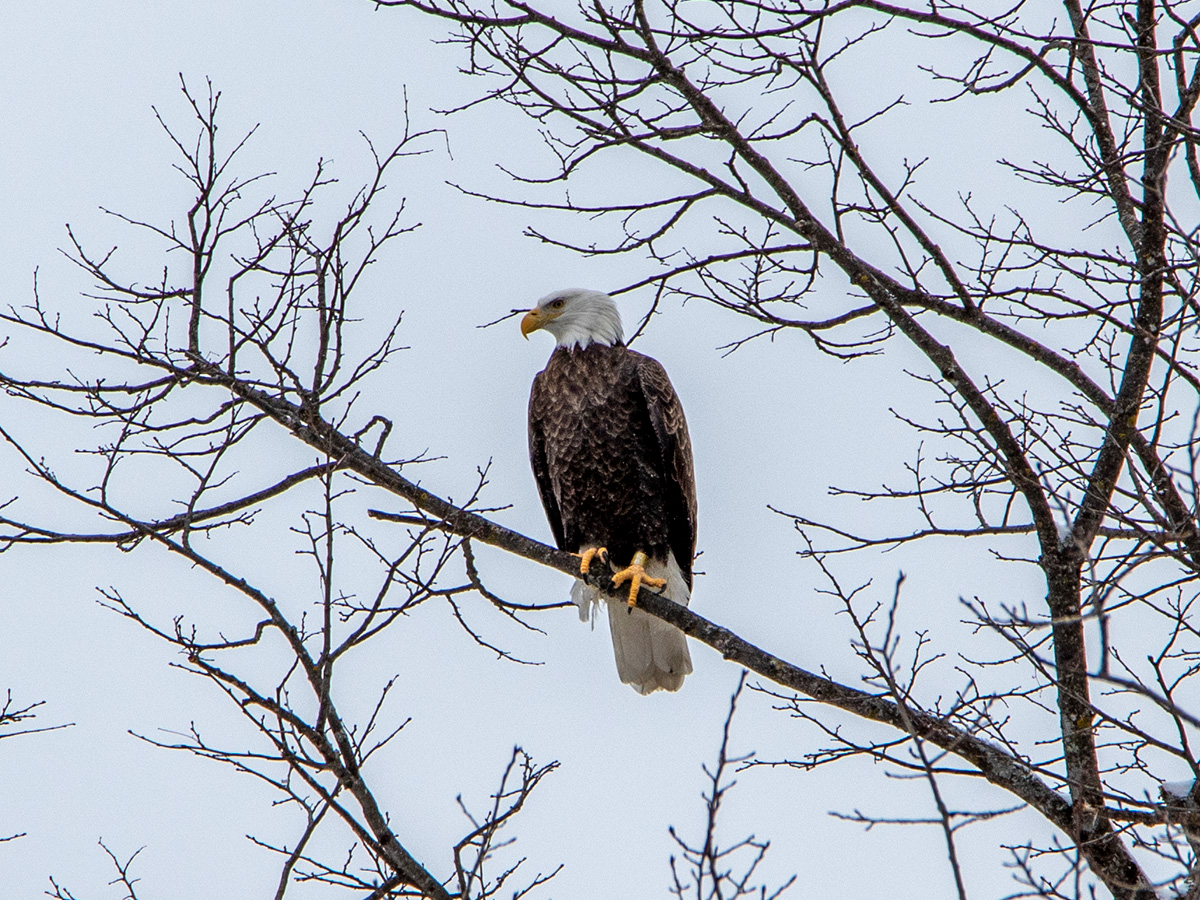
(611, 455)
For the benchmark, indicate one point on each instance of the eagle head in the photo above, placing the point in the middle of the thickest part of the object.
(576, 317)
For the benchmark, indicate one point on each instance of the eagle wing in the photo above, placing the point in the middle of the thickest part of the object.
(670, 427)
(541, 468)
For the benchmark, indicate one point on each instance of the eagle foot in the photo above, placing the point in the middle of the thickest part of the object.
(635, 573)
(586, 557)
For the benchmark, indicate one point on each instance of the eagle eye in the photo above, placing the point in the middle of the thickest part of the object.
(557, 304)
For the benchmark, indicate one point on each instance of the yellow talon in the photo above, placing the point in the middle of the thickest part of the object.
(635, 573)
(586, 557)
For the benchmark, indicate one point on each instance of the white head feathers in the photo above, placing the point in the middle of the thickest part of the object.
(576, 317)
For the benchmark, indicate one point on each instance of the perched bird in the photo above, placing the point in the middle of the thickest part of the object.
(610, 451)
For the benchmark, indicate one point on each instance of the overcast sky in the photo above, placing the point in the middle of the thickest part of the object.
(775, 423)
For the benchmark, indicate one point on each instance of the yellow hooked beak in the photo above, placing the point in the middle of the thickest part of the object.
(537, 318)
(530, 323)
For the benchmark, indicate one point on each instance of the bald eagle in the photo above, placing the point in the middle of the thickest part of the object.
(610, 452)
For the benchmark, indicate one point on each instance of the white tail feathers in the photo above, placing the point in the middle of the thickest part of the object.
(651, 654)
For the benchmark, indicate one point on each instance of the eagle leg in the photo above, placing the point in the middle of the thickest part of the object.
(635, 573)
(586, 557)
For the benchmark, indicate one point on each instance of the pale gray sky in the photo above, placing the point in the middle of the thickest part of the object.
(775, 423)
